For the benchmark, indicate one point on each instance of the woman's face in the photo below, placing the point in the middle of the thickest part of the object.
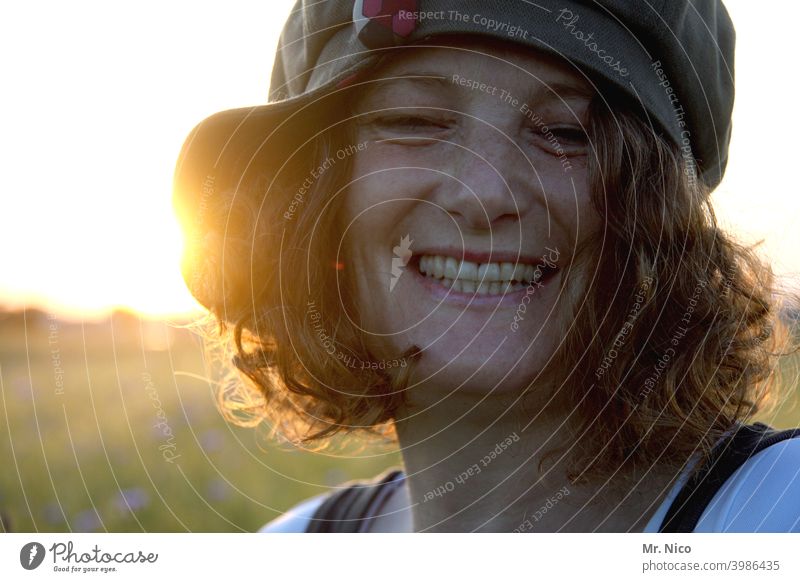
(468, 197)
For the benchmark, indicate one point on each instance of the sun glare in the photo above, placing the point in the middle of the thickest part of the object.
(100, 107)
(91, 135)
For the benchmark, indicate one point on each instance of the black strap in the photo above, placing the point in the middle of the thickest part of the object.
(727, 456)
(346, 510)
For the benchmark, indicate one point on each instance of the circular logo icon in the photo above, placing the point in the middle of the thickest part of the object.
(31, 555)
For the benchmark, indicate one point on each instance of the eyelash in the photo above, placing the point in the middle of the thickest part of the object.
(409, 122)
(570, 133)
(567, 137)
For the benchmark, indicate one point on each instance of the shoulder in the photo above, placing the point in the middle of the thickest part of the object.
(297, 518)
(763, 495)
(366, 505)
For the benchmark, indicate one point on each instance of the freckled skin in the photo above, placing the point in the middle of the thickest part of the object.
(477, 174)
(451, 166)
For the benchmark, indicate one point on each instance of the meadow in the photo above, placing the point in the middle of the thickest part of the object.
(113, 426)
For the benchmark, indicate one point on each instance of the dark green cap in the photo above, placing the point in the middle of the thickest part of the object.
(674, 58)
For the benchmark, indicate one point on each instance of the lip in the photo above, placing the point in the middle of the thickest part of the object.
(513, 298)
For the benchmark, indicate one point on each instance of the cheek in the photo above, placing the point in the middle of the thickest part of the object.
(371, 221)
(381, 196)
(566, 198)
(374, 182)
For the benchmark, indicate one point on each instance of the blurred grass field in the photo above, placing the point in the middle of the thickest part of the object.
(90, 451)
(110, 426)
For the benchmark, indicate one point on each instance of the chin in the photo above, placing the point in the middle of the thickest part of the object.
(481, 364)
(478, 341)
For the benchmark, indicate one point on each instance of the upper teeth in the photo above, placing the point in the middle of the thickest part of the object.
(440, 266)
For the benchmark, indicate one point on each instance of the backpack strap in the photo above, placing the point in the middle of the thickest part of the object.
(727, 456)
(348, 509)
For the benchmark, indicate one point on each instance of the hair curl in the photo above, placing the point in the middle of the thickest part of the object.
(664, 257)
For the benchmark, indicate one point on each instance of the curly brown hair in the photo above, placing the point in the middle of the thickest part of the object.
(676, 341)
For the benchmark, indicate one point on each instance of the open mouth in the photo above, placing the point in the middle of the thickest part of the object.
(495, 278)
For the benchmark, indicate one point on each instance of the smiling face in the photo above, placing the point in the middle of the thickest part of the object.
(466, 205)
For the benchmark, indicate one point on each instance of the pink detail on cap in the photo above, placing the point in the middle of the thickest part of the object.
(372, 8)
(381, 11)
(404, 26)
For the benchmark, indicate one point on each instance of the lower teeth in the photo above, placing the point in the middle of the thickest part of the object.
(494, 288)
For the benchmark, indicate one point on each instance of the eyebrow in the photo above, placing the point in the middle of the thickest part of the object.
(383, 84)
(434, 80)
(554, 91)
(565, 91)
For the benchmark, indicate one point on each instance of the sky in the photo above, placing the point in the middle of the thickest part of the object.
(98, 97)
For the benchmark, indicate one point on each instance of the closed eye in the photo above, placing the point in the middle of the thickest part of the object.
(567, 140)
(407, 129)
(571, 135)
(410, 123)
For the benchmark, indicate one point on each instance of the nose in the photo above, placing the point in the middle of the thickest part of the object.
(484, 184)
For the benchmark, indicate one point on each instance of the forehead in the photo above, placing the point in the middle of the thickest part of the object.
(485, 60)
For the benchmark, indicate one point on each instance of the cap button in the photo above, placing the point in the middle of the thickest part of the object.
(383, 23)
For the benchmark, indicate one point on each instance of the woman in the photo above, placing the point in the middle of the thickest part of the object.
(485, 228)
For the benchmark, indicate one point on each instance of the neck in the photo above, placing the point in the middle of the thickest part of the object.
(473, 464)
